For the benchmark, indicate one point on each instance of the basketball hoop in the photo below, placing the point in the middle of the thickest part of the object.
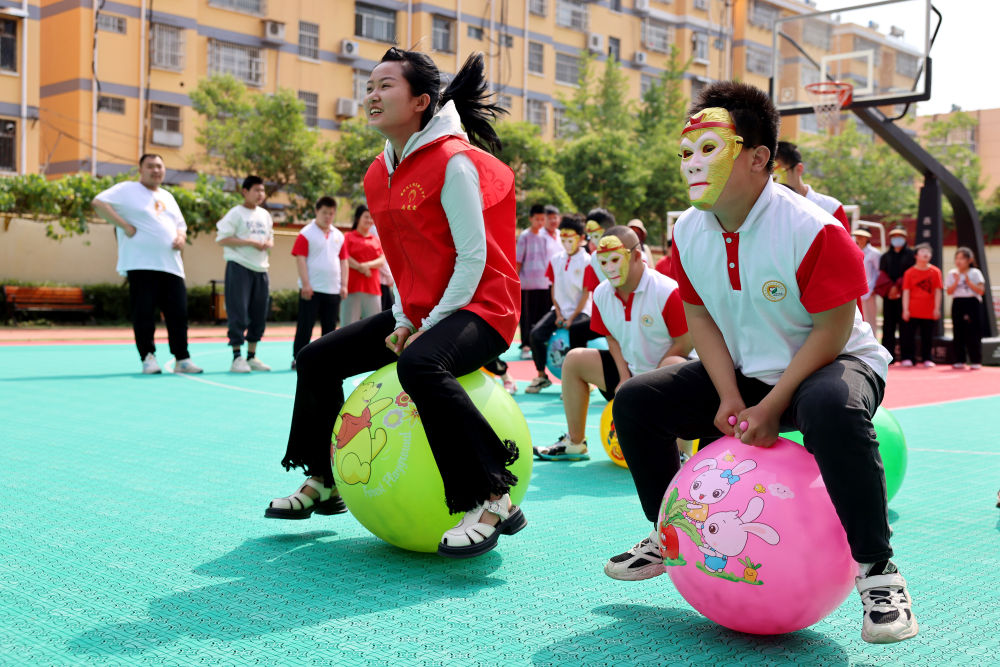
(827, 99)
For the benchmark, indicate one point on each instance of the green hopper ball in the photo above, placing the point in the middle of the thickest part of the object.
(385, 470)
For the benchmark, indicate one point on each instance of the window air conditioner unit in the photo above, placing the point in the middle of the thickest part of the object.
(346, 107)
(595, 42)
(639, 58)
(165, 138)
(349, 48)
(642, 5)
(274, 31)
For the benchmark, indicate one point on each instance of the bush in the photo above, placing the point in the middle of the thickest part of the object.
(111, 302)
(284, 305)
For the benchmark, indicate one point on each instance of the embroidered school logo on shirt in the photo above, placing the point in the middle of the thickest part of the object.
(774, 290)
(412, 195)
(647, 320)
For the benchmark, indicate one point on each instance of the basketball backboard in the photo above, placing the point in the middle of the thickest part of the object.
(881, 48)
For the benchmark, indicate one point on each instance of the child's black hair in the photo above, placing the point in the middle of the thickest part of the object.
(575, 222)
(753, 113)
(602, 217)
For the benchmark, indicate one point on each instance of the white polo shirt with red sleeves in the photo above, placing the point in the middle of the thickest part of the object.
(323, 252)
(762, 284)
(646, 324)
(566, 273)
(830, 205)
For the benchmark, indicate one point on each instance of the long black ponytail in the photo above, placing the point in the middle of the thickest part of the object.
(468, 90)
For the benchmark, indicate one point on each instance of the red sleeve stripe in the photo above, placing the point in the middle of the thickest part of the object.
(301, 246)
(597, 323)
(832, 272)
(673, 315)
(680, 275)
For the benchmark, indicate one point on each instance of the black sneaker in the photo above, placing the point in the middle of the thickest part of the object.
(643, 561)
(888, 616)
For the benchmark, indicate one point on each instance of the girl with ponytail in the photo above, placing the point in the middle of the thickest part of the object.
(445, 212)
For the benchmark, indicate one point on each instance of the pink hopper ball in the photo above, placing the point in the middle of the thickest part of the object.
(751, 540)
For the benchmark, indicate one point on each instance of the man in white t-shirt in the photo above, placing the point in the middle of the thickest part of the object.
(869, 309)
(321, 261)
(770, 283)
(246, 234)
(151, 232)
(641, 314)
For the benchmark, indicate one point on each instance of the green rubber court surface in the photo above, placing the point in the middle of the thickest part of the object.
(132, 533)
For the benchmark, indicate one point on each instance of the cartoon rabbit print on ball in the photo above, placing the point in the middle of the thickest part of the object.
(725, 534)
(712, 486)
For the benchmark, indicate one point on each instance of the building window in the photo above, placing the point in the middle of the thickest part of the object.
(538, 7)
(111, 23)
(111, 104)
(561, 126)
(8, 142)
(645, 83)
(243, 62)
(571, 14)
(311, 110)
(615, 48)
(808, 123)
(817, 33)
(701, 47)
(475, 32)
(907, 65)
(166, 125)
(8, 46)
(657, 36)
(166, 47)
(375, 23)
(696, 88)
(537, 113)
(567, 69)
(507, 40)
(615, 5)
(536, 57)
(258, 7)
(701, 4)
(442, 34)
(862, 44)
(759, 61)
(763, 15)
(505, 102)
(308, 40)
(359, 82)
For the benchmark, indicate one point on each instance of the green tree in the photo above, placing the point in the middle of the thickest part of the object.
(533, 161)
(856, 169)
(604, 169)
(246, 133)
(948, 139)
(598, 105)
(353, 153)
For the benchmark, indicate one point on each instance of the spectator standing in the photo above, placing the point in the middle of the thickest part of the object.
(246, 234)
(635, 224)
(788, 170)
(534, 250)
(364, 257)
(869, 307)
(966, 285)
(552, 220)
(665, 265)
(892, 265)
(921, 306)
(321, 262)
(151, 231)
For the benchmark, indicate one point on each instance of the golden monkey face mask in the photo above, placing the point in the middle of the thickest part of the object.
(709, 147)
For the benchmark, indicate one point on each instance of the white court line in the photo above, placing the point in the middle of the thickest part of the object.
(953, 400)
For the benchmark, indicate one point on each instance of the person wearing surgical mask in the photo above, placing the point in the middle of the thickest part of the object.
(892, 266)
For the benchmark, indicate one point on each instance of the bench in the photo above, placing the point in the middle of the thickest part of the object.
(45, 299)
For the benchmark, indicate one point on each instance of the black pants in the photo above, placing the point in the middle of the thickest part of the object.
(534, 304)
(908, 341)
(832, 408)
(247, 297)
(470, 456)
(148, 290)
(892, 319)
(966, 319)
(387, 298)
(327, 306)
(496, 366)
(579, 333)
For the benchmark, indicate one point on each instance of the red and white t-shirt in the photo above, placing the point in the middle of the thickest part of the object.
(323, 252)
(645, 324)
(593, 275)
(830, 205)
(763, 283)
(566, 274)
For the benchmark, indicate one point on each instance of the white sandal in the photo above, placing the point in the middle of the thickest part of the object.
(301, 505)
(471, 537)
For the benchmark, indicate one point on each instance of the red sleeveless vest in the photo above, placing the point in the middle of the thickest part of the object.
(417, 241)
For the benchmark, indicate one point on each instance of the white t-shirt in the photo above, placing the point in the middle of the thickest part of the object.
(872, 259)
(323, 252)
(645, 326)
(974, 276)
(248, 224)
(157, 220)
(566, 273)
(761, 284)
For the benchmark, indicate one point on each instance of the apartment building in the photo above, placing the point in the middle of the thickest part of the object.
(107, 81)
(983, 139)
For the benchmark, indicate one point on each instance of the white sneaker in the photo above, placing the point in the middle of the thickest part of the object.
(643, 561)
(929, 364)
(240, 365)
(888, 616)
(907, 363)
(149, 365)
(525, 353)
(186, 366)
(958, 366)
(564, 450)
(975, 367)
(256, 364)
